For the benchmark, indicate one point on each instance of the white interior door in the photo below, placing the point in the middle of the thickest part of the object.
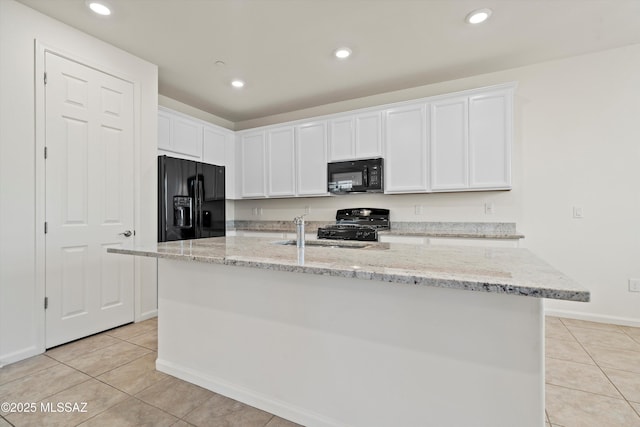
(89, 200)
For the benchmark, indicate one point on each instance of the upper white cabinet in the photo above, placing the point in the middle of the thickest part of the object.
(456, 142)
(179, 135)
(470, 141)
(490, 135)
(281, 171)
(342, 139)
(449, 144)
(368, 135)
(405, 161)
(252, 165)
(355, 136)
(311, 158)
(218, 148)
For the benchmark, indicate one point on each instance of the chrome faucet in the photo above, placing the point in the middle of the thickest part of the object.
(299, 222)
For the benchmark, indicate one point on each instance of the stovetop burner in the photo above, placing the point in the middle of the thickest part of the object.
(356, 224)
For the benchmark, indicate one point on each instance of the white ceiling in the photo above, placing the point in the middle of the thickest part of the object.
(283, 48)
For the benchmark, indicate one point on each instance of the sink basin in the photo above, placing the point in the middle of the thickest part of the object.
(326, 244)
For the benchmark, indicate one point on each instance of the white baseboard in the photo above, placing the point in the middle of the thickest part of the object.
(599, 318)
(249, 397)
(147, 315)
(19, 355)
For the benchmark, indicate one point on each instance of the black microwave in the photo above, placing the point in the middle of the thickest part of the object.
(355, 176)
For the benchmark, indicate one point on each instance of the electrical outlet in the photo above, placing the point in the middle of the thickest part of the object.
(489, 209)
(254, 212)
(307, 210)
(577, 212)
(260, 211)
(418, 209)
(634, 285)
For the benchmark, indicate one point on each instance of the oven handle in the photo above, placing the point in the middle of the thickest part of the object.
(365, 176)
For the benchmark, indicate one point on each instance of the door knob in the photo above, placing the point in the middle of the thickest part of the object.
(127, 233)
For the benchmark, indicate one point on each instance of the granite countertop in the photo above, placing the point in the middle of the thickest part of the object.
(496, 270)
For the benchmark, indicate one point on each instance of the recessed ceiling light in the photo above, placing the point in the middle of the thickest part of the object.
(342, 52)
(478, 16)
(99, 8)
(237, 83)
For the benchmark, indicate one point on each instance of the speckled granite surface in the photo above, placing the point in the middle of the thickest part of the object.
(496, 270)
(477, 230)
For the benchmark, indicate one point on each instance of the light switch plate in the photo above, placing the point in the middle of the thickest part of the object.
(577, 212)
(634, 285)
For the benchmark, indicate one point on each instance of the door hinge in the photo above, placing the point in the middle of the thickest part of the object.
(45, 78)
(46, 302)
(46, 227)
(46, 152)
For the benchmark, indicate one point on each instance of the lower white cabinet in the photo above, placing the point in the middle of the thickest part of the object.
(311, 159)
(412, 240)
(451, 241)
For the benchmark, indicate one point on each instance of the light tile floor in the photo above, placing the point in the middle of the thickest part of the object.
(592, 375)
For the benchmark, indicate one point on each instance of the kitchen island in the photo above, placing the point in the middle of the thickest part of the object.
(359, 334)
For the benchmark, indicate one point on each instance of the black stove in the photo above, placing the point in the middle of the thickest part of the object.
(356, 224)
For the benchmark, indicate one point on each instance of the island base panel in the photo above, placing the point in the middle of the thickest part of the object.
(334, 351)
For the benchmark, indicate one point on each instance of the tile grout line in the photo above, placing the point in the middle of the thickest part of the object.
(602, 370)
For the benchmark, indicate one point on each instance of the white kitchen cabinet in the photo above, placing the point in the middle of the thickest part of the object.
(311, 159)
(280, 155)
(342, 139)
(164, 130)
(490, 136)
(411, 240)
(218, 148)
(478, 242)
(405, 166)
(368, 135)
(252, 165)
(178, 134)
(355, 137)
(470, 141)
(449, 144)
(450, 241)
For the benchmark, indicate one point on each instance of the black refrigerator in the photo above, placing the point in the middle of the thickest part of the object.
(191, 201)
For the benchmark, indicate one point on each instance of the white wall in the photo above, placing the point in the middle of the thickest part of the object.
(21, 292)
(577, 143)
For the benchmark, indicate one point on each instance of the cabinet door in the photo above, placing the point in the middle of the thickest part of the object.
(281, 162)
(214, 146)
(406, 150)
(232, 169)
(252, 164)
(187, 137)
(449, 144)
(218, 148)
(341, 139)
(311, 153)
(490, 134)
(164, 131)
(368, 135)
